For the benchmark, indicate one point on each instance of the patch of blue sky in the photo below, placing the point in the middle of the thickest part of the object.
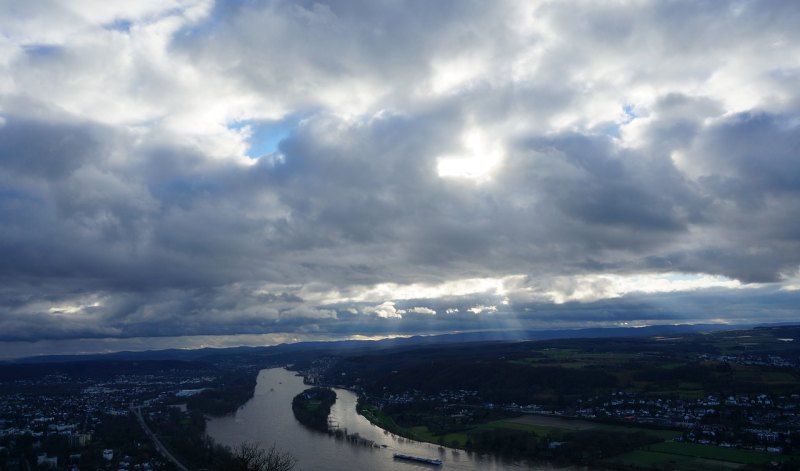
(612, 130)
(12, 197)
(630, 114)
(120, 24)
(41, 50)
(682, 276)
(266, 136)
(689, 277)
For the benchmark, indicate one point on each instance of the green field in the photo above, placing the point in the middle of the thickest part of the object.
(692, 456)
(556, 426)
(713, 452)
(570, 358)
(654, 460)
(650, 459)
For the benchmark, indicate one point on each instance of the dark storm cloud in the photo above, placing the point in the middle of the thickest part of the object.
(747, 166)
(758, 155)
(47, 150)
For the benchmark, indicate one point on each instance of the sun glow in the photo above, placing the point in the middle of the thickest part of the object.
(480, 156)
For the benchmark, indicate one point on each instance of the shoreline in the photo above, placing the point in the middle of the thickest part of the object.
(399, 431)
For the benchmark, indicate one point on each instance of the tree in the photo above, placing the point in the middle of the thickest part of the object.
(251, 457)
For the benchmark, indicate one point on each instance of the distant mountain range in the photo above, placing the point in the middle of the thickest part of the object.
(464, 337)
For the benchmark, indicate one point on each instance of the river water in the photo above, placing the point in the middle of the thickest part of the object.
(267, 419)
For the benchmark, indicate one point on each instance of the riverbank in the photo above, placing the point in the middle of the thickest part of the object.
(231, 391)
(386, 423)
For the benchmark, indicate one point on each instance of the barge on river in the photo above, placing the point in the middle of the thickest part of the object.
(433, 461)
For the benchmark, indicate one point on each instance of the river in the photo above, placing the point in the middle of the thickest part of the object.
(267, 419)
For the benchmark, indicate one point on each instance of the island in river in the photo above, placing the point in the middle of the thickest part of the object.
(313, 406)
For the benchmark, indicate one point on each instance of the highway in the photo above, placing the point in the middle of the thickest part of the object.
(156, 442)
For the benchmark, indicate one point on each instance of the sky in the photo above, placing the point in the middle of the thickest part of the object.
(187, 173)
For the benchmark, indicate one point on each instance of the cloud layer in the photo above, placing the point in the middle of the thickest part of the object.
(193, 167)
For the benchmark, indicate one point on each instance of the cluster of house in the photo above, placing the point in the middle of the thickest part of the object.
(459, 396)
(763, 409)
(73, 409)
(752, 359)
(315, 374)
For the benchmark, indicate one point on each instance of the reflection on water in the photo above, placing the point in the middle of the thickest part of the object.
(267, 419)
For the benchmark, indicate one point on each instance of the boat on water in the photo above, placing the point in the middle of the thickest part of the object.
(400, 456)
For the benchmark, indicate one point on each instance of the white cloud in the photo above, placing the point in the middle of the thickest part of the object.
(422, 310)
(385, 310)
(482, 309)
(587, 288)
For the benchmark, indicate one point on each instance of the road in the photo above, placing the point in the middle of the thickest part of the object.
(156, 442)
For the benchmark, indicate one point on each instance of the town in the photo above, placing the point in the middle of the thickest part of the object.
(80, 416)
